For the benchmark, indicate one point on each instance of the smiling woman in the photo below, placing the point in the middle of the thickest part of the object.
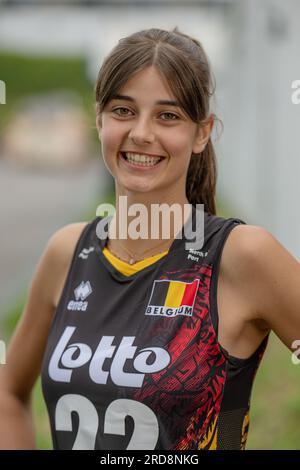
(150, 143)
(145, 343)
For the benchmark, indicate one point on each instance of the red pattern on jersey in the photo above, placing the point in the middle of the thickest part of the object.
(189, 390)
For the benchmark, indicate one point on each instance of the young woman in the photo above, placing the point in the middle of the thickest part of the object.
(141, 342)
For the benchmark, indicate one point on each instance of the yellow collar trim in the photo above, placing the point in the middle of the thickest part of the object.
(128, 269)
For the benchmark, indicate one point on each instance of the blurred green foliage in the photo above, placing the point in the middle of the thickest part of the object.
(275, 411)
(27, 75)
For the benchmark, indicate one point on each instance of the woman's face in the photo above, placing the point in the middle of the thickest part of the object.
(135, 122)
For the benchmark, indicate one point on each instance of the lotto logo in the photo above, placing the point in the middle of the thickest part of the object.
(76, 355)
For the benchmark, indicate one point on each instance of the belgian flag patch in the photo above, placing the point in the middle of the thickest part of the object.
(172, 298)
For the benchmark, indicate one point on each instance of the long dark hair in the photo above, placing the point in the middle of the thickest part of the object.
(182, 61)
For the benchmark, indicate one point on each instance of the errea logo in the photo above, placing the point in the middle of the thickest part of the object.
(81, 293)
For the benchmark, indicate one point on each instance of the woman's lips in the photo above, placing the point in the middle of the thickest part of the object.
(137, 166)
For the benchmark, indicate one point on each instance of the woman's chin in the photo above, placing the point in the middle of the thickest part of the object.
(139, 188)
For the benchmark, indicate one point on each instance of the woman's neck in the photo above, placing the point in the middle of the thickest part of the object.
(142, 225)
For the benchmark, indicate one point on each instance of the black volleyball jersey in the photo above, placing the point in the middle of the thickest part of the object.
(133, 362)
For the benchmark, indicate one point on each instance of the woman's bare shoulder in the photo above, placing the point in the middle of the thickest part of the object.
(261, 269)
(245, 243)
(67, 236)
(268, 277)
(30, 335)
(243, 256)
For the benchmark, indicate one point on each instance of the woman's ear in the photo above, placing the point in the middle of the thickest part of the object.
(203, 134)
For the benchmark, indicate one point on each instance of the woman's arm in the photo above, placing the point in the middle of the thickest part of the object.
(26, 349)
(268, 276)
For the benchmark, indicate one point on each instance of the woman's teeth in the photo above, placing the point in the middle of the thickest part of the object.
(141, 160)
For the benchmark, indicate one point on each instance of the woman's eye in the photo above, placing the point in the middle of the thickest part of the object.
(121, 114)
(170, 114)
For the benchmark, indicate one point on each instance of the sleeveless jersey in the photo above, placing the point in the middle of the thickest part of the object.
(134, 362)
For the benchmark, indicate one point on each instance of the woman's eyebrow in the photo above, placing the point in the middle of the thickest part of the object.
(129, 98)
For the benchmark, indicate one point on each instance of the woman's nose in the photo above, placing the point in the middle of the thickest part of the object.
(142, 131)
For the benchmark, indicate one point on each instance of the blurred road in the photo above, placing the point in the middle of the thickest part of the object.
(34, 204)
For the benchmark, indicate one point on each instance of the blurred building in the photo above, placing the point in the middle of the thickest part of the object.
(259, 149)
(48, 131)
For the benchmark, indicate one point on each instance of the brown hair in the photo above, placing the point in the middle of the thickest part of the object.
(183, 62)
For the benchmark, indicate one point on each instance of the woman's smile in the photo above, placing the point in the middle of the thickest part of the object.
(140, 163)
